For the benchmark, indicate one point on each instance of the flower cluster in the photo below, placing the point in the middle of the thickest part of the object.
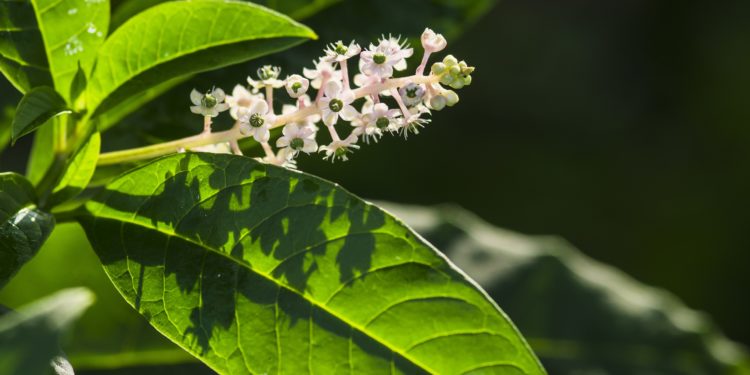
(374, 101)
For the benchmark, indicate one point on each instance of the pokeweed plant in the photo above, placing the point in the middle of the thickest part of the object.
(245, 263)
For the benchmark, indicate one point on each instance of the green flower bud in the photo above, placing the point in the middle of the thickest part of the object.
(446, 79)
(438, 102)
(457, 84)
(467, 80)
(454, 70)
(438, 68)
(451, 98)
(450, 60)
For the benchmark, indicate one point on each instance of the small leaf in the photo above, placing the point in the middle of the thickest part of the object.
(72, 31)
(36, 108)
(22, 57)
(79, 171)
(77, 88)
(23, 228)
(257, 269)
(29, 338)
(41, 156)
(180, 38)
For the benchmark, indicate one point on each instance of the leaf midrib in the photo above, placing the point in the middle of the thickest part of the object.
(269, 278)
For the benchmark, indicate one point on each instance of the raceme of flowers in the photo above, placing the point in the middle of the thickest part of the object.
(373, 102)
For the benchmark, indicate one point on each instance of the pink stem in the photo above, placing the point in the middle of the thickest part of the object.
(420, 68)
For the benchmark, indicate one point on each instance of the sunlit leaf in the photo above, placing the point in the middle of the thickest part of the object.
(72, 31)
(22, 57)
(23, 227)
(37, 107)
(254, 268)
(180, 38)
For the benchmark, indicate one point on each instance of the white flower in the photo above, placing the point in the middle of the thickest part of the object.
(382, 59)
(322, 69)
(375, 120)
(208, 104)
(241, 98)
(335, 103)
(219, 148)
(339, 149)
(412, 94)
(297, 139)
(296, 85)
(433, 42)
(338, 52)
(283, 158)
(256, 120)
(268, 77)
(414, 121)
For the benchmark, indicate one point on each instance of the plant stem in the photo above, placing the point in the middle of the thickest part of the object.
(148, 152)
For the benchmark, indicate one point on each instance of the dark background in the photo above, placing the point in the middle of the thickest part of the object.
(622, 126)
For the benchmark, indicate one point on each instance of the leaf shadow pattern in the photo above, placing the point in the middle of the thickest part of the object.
(235, 252)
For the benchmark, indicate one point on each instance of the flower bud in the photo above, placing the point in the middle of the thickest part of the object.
(451, 98)
(450, 60)
(438, 102)
(433, 42)
(438, 68)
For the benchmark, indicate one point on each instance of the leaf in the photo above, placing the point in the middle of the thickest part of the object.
(23, 228)
(297, 9)
(254, 268)
(175, 39)
(111, 334)
(41, 156)
(6, 126)
(79, 171)
(22, 57)
(37, 107)
(29, 338)
(597, 320)
(72, 31)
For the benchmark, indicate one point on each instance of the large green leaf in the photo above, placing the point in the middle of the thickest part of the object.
(29, 337)
(22, 57)
(181, 38)
(580, 316)
(23, 228)
(254, 268)
(72, 31)
(37, 107)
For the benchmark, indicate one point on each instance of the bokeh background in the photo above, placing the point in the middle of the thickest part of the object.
(622, 126)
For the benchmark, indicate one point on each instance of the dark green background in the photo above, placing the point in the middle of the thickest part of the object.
(622, 126)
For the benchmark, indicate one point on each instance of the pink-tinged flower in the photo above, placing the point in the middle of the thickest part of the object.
(336, 102)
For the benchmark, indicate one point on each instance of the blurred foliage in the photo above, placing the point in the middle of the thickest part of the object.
(579, 315)
(29, 337)
(110, 333)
